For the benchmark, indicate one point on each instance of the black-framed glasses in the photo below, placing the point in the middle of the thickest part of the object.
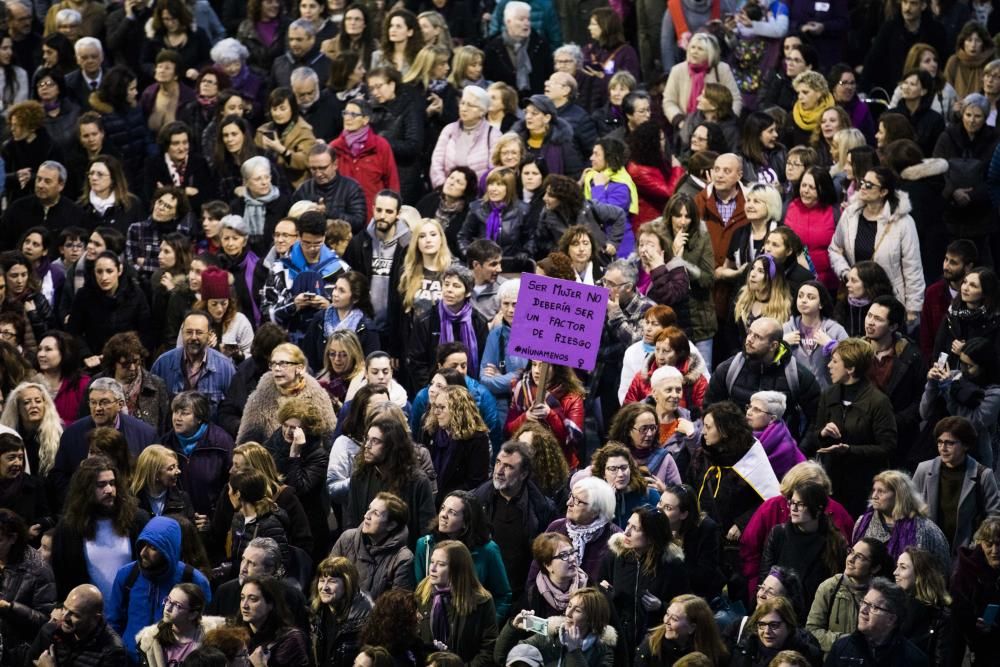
(851, 553)
(616, 469)
(773, 626)
(796, 505)
(566, 556)
(645, 428)
(871, 606)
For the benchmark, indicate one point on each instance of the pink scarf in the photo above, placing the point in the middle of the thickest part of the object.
(356, 140)
(697, 74)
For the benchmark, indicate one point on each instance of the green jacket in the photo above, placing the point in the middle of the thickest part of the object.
(699, 261)
(834, 612)
(600, 654)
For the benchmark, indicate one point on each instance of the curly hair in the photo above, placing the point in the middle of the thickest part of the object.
(393, 621)
(49, 432)
(399, 463)
(568, 192)
(305, 411)
(466, 421)
(413, 44)
(557, 265)
(548, 464)
(636, 483)
(623, 421)
(29, 113)
(14, 368)
(572, 234)
(178, 9)
(645, 147)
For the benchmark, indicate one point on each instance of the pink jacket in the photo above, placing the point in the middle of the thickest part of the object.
(770, 514)
(446, 156)
(815, 226)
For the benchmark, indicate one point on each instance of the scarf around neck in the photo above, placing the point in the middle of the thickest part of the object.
(102, 205)
(521, 61)
(468, 333)
(809, 120)
(440, 629)
(556, 598)
(581, 536)
(189, 442)
(494, 220)
(255, 212)
(697, 73)
(902, 534)
(356, 140)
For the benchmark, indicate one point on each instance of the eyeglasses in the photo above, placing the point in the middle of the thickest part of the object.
(852, 554)
(566, 556)
(170, 604)
(869, 606)
(754, 410)
(46, 83)
(940, 443)
(868, 185)
(284, 364)
(616, 469)
(103, 404)
(645, 428)
(351, 114)
(773, 626)
(337, 355)
(847, 84)
(796, 505)
(8, 335)
(794, 164)
(573, 500)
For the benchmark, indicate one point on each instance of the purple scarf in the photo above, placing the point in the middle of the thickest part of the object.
(904, 533)
(464, 319)
(780, 446)
(356, 140)
(439, 615)
(442, 450)
(493, 221)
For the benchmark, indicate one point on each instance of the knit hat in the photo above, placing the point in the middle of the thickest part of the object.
(214, 283)
(527, 654)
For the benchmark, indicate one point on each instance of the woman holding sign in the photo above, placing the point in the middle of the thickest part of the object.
(559, 406)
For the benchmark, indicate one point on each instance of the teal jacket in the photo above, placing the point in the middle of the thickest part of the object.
(490, 571)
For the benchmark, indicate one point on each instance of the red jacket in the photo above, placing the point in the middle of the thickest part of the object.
(374, 168)
(722, 236)
(770, 514)
(654, 191)
(565, 417)
(937, 298)
(695, 384)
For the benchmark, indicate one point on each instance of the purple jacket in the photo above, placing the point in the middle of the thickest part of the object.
(782, 451)
(205, 472)
(593, 555)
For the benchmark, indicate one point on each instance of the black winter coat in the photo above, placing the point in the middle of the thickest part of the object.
(803, 552)
(748, 651)
(930, 628)
(468, 466)
(127, 131)
(337, 642)
(96, 317)
(470, 637)
(103, 648)
(177, 503)
(402, 122)
(306, 475)
(703, 559)
(728, 499)
(29, 585)
(969, 161)
(854, 650)
(974, 585)
(516, 236)
(424, 340)
(927, 124)
(498, 65)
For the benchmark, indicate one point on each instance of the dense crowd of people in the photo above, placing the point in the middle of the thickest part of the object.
(258, 278)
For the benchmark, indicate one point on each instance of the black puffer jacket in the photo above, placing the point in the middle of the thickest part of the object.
(30, 587)
(968, 162)
(306, 474)
(854, 650)
(930, 629)
(96, 317)
(749, 652)
(127, 131)
(401, 123)
(336, 643)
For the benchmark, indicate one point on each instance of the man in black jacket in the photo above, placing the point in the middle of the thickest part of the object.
(517, 509)
(913, 23)
(341, 195)
(878, 641)
(518, 56)
(303, 51)
(316, 104)
(46, 207)
(81, 637)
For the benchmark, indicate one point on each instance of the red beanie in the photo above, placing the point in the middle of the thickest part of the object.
(214, 283)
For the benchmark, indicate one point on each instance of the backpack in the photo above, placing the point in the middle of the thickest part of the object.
(133, 576)
(798, 426)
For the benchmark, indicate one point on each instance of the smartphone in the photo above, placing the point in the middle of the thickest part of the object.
(540, 626)
(942, 360)
(990, 615)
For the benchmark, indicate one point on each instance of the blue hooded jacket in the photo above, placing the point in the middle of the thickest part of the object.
(145, 603)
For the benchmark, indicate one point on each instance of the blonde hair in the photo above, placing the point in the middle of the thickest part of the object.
(461, 59)
(465, 418)
(778, 304)
(771, 199)
(148, 465)
(349, 341)
(807, 471)
(466, 591)
(292, 350)
(443, 39)
(845, 140)
(412, 277)
(706, 637)
(422, 68)
(260, 459)
(909, 501)
(49, 431)
(813, 80)
(710, 44)
(503, 142)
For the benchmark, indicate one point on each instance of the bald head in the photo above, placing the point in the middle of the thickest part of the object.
(560, 88)
(87, 595)
(726, 174)
(82, 611)
(763, 339)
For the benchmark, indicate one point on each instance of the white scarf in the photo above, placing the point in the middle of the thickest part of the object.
(102, 205)
(582, 535)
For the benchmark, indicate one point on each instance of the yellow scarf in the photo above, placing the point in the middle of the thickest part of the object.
(809, 120)
(620, 176)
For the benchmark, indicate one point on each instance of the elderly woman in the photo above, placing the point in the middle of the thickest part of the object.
(559, 575)
(30, 412)
(714, 105)
(287, 136)
(968, 146)
(881, 211)
(286, 379)
(973, 589)
(556, 145)
(199, 113)
(898, 517)
(917, 91)
(262, 204)
(588, 523)
(499, 370)
(299, 452)
(810, 333)
(230, 56)
(240, 260)
(452, 319)
(944, 482)
(764, 415)
(813, 99)
(467, 141)
(687, 80)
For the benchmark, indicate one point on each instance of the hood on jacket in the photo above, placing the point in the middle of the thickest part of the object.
(926, 168)
(163, 534)
(616, 543)
(609, 637)
(393, 543)
(560, 132)
(903, 208)
(402, 231)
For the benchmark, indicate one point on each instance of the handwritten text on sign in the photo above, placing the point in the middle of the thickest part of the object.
(558, 321)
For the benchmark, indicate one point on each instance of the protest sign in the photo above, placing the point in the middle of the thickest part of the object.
(558, 321)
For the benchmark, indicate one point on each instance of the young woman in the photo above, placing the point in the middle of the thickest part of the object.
(255, 514)
(175, 264)
(698, 535)
(449, 204)
(813, 215)
(688, 626)
(925, 124)
(24, 293)
(974, 313)
(287, 136)
(455, 610)
(763, 155)
(461, 518)
(764, 295)
(672, 349)
(112, 303)
(865, 282)
(608, 182)
(356, 35)
(653, 169)
(831, 121)
(809, 543)
(614, 464)
(400, 42)
(232, 146)
(458, 440)
(181, 630)
(578, 243)
(789, 254)
(13, 79)
(350, 310)
(274, 641)
(340, 609)
(155, 483)
(561, 408)
(810, 332)
(763, 212)
(928, 620)
(499, 216)
(606, 54)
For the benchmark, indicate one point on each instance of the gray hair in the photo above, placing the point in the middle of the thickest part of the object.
(254, 164)
(70, 16)
(509, 289)
(977, 100)
(627, 269)
(571, 50)
(229, 50)
(895, 597)
(196, 402)
(109, 385)
(272, 554)
(600, 496)
(303, 74)
(516, 7)
(88, 43)
(304, 25)
(480, 96)
(23, 4)
(664, 373)
(774, 402)
(55, 166)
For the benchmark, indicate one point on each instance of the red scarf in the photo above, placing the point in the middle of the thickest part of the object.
(697, 74)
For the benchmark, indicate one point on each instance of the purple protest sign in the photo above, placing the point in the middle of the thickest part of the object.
(558, 321)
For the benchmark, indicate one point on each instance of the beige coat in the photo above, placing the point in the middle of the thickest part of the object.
(298, 138)
(260, 417)
(675, 95)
